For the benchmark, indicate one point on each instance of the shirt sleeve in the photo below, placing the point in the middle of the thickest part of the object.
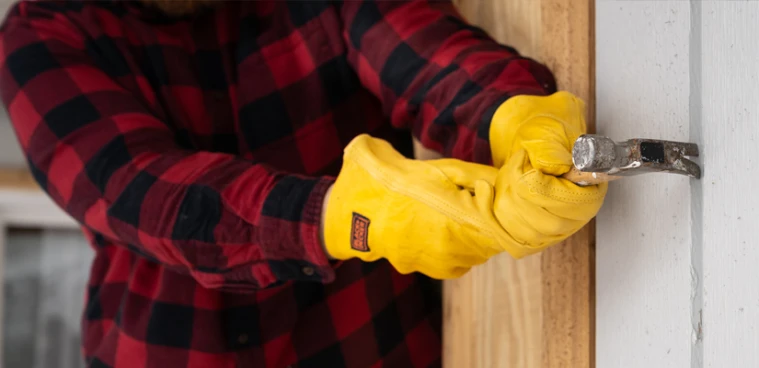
(435, 73)
(102, 157)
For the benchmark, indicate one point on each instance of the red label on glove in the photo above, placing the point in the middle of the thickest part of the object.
(360, 233)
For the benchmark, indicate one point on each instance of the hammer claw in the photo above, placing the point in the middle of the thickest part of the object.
(690, 168)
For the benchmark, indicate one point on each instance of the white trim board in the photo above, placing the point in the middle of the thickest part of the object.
(677, 258)
(32, 208)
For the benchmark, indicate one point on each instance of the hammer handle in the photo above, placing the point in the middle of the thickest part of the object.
(588, 178)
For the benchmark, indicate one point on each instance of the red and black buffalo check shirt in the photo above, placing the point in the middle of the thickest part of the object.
(195, 151)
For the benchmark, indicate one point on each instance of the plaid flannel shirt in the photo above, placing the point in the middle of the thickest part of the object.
(195, 151)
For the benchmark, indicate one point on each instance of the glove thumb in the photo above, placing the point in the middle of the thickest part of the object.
(548, 145)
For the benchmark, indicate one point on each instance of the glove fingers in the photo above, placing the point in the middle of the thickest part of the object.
(541, 222)
(465, 174)
(541, 209)
(548, 143)
(573, 114)
(566, 108)
(527, 222)
(523, 111)
(510, 173)
(561, 197)
(549, 157)
(504, 208)
(484, 197)
(537, 233)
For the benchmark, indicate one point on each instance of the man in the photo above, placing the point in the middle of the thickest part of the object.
(239, 170)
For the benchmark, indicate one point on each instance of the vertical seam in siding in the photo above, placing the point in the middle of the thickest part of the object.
(696, 188)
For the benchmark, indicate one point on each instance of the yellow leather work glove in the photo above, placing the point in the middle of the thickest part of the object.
(434, 217)
(531, 140)
(546, 126)
(539, 210)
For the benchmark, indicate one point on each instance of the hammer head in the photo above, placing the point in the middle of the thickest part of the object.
(596, 153)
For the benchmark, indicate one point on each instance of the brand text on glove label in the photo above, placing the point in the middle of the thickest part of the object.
(360, 233)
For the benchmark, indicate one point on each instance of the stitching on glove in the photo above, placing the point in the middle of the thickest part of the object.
(540, 245)
(428, 199)
(534, 184)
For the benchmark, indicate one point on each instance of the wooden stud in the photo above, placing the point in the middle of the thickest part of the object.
(538, 311)
(568, 48)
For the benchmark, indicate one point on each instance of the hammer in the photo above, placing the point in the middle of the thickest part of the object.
(598, 159)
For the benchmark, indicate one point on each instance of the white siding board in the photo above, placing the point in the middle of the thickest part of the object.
(730, 130)
(643, 234)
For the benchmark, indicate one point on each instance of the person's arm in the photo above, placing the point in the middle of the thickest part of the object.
(107, 161)
(435, 73)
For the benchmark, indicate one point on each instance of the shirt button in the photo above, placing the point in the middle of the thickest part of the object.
(242, 339)
(308, 271)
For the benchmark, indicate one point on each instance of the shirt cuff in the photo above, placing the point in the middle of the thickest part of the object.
(322, 269)
(289, 231)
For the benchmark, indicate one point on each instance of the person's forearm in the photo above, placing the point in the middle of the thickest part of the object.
(212, 215)
(441, 77)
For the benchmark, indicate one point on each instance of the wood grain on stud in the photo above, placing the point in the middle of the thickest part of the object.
(493, 315)
(538, 311)
(567, 47)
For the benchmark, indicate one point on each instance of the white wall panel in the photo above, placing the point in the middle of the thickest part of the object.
(643, 257)
(729, 91)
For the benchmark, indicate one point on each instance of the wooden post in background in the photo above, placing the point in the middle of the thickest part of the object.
(538, 311)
